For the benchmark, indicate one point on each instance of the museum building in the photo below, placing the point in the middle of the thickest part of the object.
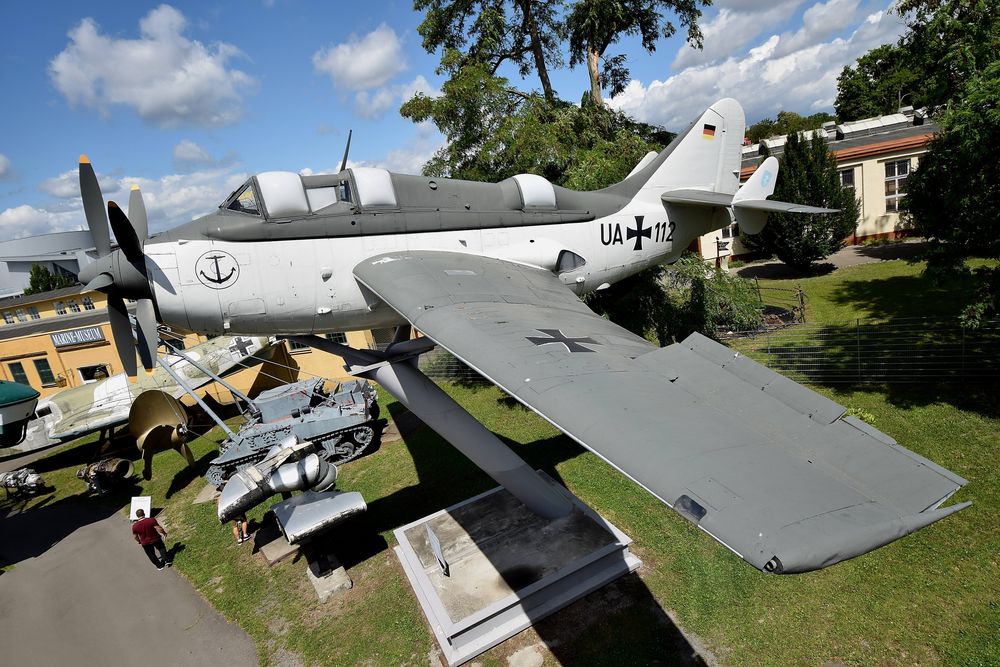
(874, 156)
(60, 339)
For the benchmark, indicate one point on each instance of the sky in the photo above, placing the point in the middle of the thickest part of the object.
(190, 98)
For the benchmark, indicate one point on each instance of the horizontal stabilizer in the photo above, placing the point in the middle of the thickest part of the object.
(780, 206)
(696, 198)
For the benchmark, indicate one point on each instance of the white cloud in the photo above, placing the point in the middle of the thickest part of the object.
(5, 170)
(26, 220)
(365, 63)
(412, 156)
(165, 77)
(67, 184)
(765, 80)
(376, 104)
(736, 25)
(819, 22)
(187, 152)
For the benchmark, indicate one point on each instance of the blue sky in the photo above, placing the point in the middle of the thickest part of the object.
(187, 99)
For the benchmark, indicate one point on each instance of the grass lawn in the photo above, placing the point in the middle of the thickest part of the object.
(930, 599)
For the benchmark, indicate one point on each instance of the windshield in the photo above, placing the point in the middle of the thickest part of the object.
(245, 200)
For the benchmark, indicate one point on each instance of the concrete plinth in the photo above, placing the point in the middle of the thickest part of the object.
(271, 544)
(506, 567)
(327, 575)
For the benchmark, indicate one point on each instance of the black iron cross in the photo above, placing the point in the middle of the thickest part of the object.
(557, 336)
(241, 344)
(638, 233)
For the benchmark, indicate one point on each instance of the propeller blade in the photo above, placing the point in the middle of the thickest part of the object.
(146, 335)
(98, 284)
(128, 241)
(137, 213)
(93, 207)
(347, 149)
(121, 329)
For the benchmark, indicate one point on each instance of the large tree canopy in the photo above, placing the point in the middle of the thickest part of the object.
(808, 175)
(881, 82)
(953, 198)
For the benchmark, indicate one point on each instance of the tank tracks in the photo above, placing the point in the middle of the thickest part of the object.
(335, 448)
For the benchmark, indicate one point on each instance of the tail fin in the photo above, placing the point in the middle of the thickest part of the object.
(751, 204)
(706, 157)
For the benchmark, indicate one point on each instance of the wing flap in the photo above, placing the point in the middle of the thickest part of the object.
(763, 465)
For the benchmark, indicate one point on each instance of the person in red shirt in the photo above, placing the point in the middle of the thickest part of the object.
(149, 534)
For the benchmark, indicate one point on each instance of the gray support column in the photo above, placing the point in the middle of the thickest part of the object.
(439, 411)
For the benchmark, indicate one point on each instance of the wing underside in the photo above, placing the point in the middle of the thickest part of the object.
(764, 465)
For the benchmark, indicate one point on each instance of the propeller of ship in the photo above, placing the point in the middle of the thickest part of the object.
(120, 274)
(158, 422)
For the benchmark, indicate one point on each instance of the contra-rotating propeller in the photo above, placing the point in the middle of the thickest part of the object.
(120, 274)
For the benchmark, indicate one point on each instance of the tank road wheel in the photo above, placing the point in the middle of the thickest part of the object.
(215, 475)
(363, 435)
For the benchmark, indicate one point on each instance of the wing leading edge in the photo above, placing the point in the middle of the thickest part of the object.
(762, 464)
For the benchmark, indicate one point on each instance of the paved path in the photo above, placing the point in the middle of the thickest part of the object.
(849, 256)
(83, 593)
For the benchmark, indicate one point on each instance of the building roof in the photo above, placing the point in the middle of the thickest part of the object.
(856, 140)
(26, 299)
(52, 324)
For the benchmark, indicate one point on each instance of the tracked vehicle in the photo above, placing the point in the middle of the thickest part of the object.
(341, 424)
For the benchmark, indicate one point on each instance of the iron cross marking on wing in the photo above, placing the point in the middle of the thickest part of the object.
(638, 233)
(557, 336)
(240, 346)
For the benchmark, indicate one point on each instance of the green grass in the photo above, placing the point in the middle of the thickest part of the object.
(928, 599)
(894, 288)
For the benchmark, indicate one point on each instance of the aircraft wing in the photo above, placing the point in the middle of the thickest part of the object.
(764, 465)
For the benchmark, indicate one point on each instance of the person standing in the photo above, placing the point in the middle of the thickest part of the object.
(149, 534)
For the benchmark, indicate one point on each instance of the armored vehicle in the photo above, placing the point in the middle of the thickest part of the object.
(339, 423)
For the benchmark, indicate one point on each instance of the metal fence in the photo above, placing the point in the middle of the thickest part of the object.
(911, 350)
(870, 351)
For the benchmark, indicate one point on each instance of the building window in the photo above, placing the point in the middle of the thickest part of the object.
(337, 337)
(88, 303)
(74, 306)
(94, 373)
(8, 317)
(895, 183)
(33, 313)
(60, 308)
(21, 317)
(847, 178)
(295, 346)
(45, 372)
(731, 232)
(17, 372)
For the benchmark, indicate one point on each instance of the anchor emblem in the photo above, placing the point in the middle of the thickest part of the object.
(212, 269)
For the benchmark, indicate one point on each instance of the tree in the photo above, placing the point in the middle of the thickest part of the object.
(495, 132)
(522, 32)
(42, 280)
(788, 122)
(808, 175)
(878, 84)
(953, 198)
(592, 26)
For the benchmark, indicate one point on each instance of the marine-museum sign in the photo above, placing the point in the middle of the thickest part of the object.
(77, 336)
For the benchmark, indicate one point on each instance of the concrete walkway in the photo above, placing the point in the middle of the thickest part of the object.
(849, 256)
(82, 592)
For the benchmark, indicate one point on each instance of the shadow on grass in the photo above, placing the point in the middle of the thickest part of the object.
(580, 633)
(887, 298)
(187, 474)
(780, 270)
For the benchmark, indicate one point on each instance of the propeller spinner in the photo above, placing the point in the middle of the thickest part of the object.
(120, 274)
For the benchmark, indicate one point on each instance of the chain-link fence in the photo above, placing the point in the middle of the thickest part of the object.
(877, 351)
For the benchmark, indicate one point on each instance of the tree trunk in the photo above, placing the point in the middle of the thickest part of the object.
(536, 50)
(593, 68)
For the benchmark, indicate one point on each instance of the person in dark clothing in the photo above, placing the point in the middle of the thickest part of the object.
(149, 534)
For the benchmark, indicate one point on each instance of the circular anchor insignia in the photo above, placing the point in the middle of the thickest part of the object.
(217, 269)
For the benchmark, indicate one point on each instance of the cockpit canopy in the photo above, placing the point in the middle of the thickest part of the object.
(286, 194)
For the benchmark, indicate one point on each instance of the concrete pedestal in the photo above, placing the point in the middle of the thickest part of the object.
(505, 567)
